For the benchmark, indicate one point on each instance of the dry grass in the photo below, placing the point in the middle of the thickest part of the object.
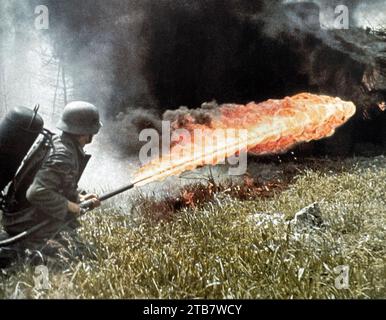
(211, 242)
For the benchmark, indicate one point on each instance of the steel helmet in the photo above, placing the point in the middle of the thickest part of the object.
(80, 118)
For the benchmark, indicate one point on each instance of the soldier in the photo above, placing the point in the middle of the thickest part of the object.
(54, 192)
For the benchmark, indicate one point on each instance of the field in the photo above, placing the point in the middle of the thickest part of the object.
(233, 241)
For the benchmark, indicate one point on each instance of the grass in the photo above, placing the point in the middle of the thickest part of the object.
(216, 242)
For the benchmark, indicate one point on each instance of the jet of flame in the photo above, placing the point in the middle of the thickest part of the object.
(270, 127)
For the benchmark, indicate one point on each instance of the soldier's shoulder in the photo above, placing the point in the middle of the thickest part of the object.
(60, 157)
(62, 148)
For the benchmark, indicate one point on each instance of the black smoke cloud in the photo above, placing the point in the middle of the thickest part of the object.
(138, 59)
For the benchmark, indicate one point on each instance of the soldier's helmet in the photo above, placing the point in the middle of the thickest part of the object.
(80, 118)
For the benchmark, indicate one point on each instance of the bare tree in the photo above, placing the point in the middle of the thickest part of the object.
(56, 92)
(52, 76)
(3, 89)
(64, 84)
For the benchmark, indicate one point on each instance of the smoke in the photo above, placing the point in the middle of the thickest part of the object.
(371, 14)
(323, 19)
(71, 61)
(347, 62)
(183, 115)
(24, 52)
(135, 59)
(120, 88)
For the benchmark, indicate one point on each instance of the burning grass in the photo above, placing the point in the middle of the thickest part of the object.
(195, 196)
(211, 245)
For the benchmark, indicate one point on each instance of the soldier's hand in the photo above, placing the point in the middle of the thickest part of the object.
(94, 199)
(73, 208)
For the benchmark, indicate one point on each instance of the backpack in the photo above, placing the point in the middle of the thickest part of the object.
(21, 155)
(14, 198)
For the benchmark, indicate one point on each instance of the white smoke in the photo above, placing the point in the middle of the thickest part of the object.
(371, 14)
(366, 14)
(28, 65)
(31, 73)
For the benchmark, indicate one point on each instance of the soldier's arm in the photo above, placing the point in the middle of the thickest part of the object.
(44, 192)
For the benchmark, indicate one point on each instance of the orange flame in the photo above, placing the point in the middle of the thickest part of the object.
(269, 127)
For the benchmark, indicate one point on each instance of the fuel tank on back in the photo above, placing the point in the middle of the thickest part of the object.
(18, 131)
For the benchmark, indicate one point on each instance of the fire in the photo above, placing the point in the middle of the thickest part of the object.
(269, 127)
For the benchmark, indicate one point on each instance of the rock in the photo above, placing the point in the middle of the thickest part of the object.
(309, 216)
(305, 220)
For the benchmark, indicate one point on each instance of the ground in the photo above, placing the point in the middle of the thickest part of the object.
(233, 246)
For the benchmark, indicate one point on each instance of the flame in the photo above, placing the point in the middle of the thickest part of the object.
(269, 127)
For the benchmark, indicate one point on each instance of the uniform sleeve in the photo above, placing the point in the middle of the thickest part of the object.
(44, 192)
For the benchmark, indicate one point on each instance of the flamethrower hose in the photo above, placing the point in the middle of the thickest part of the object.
(23, 234)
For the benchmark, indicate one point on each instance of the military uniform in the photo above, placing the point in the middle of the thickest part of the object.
(54, 185)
